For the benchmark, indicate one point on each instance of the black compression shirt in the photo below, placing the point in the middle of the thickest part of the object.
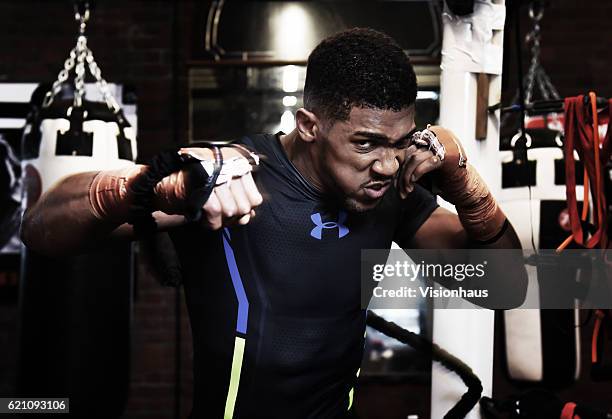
(274, 306)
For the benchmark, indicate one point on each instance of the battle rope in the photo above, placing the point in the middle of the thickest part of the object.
(470, 398)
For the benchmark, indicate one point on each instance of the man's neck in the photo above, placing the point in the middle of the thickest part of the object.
(298, 153)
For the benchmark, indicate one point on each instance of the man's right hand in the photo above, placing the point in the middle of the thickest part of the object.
(231, 202)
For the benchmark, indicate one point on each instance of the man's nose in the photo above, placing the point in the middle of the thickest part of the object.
(387, 164)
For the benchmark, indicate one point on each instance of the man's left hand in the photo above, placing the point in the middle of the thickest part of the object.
(423, 157)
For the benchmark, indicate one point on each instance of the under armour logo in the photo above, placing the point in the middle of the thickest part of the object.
(320, 225)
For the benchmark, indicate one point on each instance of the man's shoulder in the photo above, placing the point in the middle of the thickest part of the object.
(415, 210)
(258, 142)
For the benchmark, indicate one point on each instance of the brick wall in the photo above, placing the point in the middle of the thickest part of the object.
(133, 44)
(153, 372)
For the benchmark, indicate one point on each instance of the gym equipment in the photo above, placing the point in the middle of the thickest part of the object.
(540, 345)
(538, 404)
(471, 49)
(76, 310)
(465, 404)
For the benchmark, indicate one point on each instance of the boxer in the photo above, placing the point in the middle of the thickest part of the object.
(271, 264)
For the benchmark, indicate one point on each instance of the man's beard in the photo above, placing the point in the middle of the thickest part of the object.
(353, 206)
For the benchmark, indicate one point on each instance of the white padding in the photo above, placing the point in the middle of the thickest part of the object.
(468, 335)
(469, 40)
(105, 153)
(523, 332)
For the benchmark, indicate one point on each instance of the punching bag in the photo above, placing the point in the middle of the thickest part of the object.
(540, 346)
(75, 311)
(543, 346)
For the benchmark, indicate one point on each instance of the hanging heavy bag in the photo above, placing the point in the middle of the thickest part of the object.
(540, 346)
(76, 311)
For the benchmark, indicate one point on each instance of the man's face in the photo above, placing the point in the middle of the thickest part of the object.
(359, 158)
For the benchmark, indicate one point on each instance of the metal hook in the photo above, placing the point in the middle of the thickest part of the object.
(518, 136)
(536, 11)
(81, 11)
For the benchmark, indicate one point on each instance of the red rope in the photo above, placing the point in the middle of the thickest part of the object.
(584, 138)
(568, 411)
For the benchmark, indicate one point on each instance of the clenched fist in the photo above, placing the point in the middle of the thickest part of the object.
(234, 197)
(437, 150)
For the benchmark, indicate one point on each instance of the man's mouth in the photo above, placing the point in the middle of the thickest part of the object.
(376, 190)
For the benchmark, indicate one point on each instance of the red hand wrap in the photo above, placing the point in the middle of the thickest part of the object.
(460, 184)
(108, 192)
(109, 196)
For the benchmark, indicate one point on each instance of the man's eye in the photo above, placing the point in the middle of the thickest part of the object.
(364, 144)
(403, 143)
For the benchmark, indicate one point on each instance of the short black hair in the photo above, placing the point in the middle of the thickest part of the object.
(358, 67)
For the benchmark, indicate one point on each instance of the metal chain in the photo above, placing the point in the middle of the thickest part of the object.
(541, 85)
(533, 37)
(536, 73)
(61, 78)
(81, 18)
(552, 89)
(110, 100)
(79, 80)
(80, 55)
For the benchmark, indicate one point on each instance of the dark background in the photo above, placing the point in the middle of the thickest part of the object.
(149, 46)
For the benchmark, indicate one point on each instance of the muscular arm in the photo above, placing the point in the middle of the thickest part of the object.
(443, 230)
(84, 209)
(479, 224)
(62, 221)
(506, 270)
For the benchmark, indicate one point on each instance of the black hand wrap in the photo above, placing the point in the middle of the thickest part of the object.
(163, 164)
(201, 184)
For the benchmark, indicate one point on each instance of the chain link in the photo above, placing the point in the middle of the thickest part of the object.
(110, 100)
(551, 88)
(61, 78)
(79, 80)
(536, 74)
(533, 37)
(81, 18)
(82, 56)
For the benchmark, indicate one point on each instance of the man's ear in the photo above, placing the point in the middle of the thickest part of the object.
(307, 124)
